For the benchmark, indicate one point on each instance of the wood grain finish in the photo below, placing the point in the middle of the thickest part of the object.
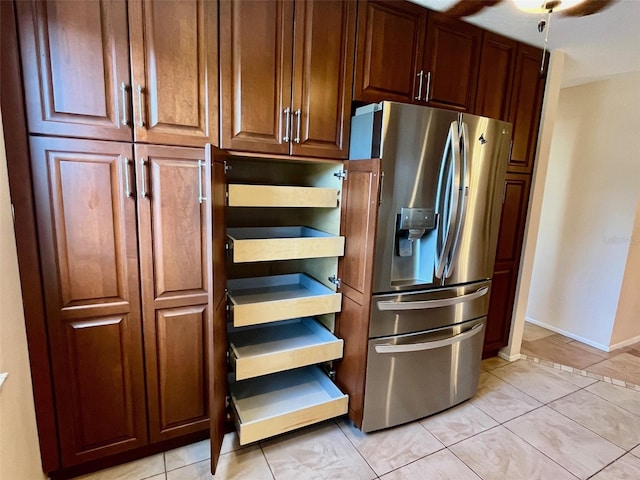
(88, 243)
(75, 57)
(281, 196)
(512, 220)
(495, 76)
(255, 74)
(174, 52)
(451, 57)
(174, 264)
(503, 288)
(389, 50)
(323, 49)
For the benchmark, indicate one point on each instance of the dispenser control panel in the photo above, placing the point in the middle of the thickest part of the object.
(417, 218)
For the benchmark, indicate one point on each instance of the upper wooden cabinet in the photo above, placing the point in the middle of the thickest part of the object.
(525, 107)
(389, 51)
(277, 60)
(77, 76)
(450, 66)
(495, 76)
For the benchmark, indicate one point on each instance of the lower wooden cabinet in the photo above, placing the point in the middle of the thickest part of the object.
(126, 372)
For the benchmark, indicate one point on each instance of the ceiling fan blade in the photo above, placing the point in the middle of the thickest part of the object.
(588, 7)
(464, 8)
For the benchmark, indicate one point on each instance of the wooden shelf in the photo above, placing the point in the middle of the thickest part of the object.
(281, 402)
(281, 196)
(279, 297)
(261, 244)
(261, 350)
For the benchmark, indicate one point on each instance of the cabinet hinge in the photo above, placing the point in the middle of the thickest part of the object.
(336, 281)
(332, 374)
(228, 247)
(342, 175)
(227, 167)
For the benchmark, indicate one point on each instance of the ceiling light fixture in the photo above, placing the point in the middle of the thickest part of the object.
(545, 6)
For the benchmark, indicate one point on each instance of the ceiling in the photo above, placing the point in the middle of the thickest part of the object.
(597, 46)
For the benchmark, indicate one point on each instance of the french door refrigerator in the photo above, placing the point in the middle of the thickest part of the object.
(435, 245)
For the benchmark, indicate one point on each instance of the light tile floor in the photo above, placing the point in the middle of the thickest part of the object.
(528, 421)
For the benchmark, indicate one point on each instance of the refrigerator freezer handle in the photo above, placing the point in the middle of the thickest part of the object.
(437, 303)
(416, 347)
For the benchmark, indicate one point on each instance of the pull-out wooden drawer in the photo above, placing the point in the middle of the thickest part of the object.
(279, 297)
(281, 196)
(281, 402)
(259, 244)
(261, 350)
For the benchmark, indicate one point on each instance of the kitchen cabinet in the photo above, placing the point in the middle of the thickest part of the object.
(277, 58)
(98, 263)
(389, 50)
(495, 76)
(450, 66)
(79, 81)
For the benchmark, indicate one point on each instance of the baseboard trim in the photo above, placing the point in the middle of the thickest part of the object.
(625, 343)
(509, 358)
(599, 346)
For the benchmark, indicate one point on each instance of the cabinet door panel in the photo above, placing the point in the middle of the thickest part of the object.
(75, 58)
(525, 108)
(451, 56)
(389, 50)
(513, 218)
(495, 76)
(503, 288)
(323, 68)
(175, 285)
(175, 64)
(87, 237)
(255, 74)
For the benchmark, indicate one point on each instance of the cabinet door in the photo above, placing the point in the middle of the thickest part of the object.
(175, 287)
(526, 107)
(174, 69)
(495, 76)
(323, 68)
(359, 214)
(388, 50)
(75, 58)
(505, 271)
(88, 249)
(451, 57)
(255, 75)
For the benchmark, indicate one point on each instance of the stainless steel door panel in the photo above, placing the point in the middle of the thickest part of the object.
(413, 376)
(485, 159)
(400, 313)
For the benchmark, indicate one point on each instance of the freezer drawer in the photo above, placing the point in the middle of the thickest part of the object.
(281, 196)
(265, 349)
(416, 375)
(279, 297)
(278, 403)
(260, 244)
(416, 311)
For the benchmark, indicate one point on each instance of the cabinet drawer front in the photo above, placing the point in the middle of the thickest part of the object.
(263, 312)
(279, 403)
(281, 196)
(283, 346)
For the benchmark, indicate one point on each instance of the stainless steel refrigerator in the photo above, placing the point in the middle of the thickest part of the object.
(435, 245)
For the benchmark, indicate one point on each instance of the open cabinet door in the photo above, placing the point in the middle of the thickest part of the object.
(359, 218)
(215, 190)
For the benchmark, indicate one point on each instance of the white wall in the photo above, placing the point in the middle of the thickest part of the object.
(19, 450)
(590, 200)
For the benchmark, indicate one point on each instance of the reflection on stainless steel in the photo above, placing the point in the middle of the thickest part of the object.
(435, 248)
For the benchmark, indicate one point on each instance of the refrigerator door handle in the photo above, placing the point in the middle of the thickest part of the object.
(464, 200)
(417, 347)
(437, 303)
(452, 145)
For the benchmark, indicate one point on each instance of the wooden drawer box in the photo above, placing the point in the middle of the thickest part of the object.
(281, 196)
(261, 350)
(279, 297)
(281, 402)
(259, 244)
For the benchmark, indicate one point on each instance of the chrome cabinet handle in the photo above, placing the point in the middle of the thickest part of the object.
(416, 347)
(127, 178)
(143, 178)
(437, 303)
(287, 122)
(420, 77)
(125, 104)
(426, 97)
(201, 197)
(140, 106)
(298, 114)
